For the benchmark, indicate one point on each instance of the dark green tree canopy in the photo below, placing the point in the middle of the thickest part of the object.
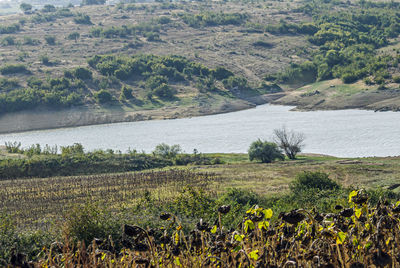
(265, 151)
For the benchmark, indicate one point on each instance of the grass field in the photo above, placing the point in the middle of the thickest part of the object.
(37, 202)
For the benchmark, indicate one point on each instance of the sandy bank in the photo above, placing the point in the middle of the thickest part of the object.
(83, 116)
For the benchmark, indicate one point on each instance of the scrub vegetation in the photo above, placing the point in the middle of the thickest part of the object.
(153, 212)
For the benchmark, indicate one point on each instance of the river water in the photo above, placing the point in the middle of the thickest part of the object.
(344, 133)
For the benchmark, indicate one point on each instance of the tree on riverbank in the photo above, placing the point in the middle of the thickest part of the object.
(265, 151)
(289, 141)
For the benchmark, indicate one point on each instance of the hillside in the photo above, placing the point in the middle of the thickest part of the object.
(111, 63)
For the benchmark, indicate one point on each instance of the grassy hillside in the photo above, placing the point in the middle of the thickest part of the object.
(197, 58)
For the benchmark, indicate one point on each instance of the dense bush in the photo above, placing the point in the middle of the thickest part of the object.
(8, 84)
(8, 41)
(347, 43)
(76, 164)
(103, 96)
(50, 39)
(81, 18)
(145, 29)
(55, 93)
(73, 36)
(167, 151)
(83, 73)
(313, 180)
(213, 19)
(9, 29)
(13, 69)
(264, 151)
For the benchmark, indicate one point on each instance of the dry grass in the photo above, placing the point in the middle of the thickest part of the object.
(38, 200)
(230, 46)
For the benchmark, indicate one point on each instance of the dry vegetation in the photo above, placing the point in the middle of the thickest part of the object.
(37, 201)
(228, 45)
(357, 236)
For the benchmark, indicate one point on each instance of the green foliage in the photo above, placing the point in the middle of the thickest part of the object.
(51, 16)
(83, 73)
(13, 69)
(164, 20)
(264, 44)
(313, 180)
(55, 93)
(264, 151)
(206, 19)
(9, 29)
(155, 81)
(289, 28)
(8, 84)
(145, 29)
(167, 151)
(305, 72)
(30, 41)
(25, 7)
(81, 18)
(347, 43)
(50, 39)
(45, 59)
(48, 164)
(8, 41)
(241, 197)
(103, 96)
(73, 36)
(89, 221)
(221, 73)
(126, 93)
(75, 149)
(164, 91)
(234, 83)
(48, 8)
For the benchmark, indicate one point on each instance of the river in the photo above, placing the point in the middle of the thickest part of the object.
(343, 133)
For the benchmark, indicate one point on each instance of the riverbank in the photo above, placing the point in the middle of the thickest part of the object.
(85, 116)
(336, 95)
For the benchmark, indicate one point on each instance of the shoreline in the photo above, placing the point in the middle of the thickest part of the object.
(36, 120)
(26, 121)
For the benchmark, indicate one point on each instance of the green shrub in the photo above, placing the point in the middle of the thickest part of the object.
(126, 93)
(235, 83)
(164, 91)
(264, 151)
(81, 18)
(313, 180)
(221, 73)
(8, 41)
(91, 220)
(9, 29)
(83, 73)
(49, 8)
(73, 36)
(167, 151)
(30, 41)
(103, 96)
(13, 69)
(396, 79)
(50, 39)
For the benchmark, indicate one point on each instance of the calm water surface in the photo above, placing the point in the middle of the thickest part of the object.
(346, 133)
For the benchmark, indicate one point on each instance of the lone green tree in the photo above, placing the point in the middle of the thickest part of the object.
(167, 151)
(265, 151)
(289, 141)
